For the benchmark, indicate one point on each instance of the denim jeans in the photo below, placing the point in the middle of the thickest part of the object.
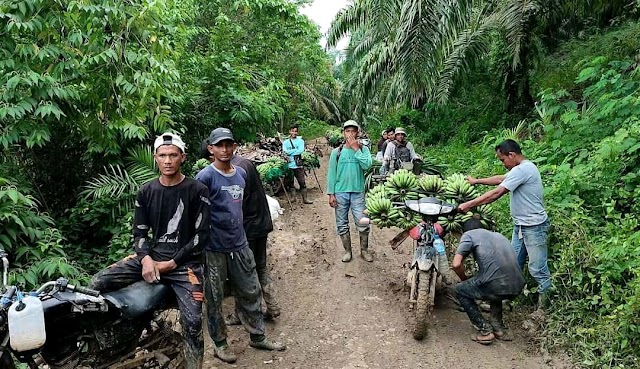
(469, 291)
(355, 202)
(532, 241)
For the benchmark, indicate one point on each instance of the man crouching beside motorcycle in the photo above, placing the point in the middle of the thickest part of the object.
(176, 210)
(498, 278)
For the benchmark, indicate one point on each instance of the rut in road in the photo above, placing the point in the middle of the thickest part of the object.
(355, 315)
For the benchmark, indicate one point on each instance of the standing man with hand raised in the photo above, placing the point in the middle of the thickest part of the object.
(531, 223)
(345, 187)
(176, 211)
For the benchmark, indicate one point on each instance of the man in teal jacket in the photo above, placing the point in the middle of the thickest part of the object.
(294, 147)
(345, 187)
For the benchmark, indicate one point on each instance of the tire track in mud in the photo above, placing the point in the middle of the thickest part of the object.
(355, 315)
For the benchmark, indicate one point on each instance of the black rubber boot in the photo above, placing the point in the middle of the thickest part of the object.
(364, 247)
(305, 196)
(346, 243)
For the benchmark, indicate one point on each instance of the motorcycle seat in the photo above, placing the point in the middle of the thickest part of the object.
(140, 298)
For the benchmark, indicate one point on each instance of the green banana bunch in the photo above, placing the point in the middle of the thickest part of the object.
(461, 218)
(386, 219)
(402, 185)
(431, 184)
(310, 160)
(408, 219)
(484, 213)
(271, 170)
(456, 186)
(377, 190)
(449, 224)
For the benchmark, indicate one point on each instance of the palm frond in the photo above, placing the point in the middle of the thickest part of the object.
(514, 19)
(347, 20)
(114, 183)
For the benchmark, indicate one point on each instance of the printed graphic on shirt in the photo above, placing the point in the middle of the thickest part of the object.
(235, 191)
(172, 228)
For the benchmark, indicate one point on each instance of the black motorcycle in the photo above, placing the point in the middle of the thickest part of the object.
(85, 328)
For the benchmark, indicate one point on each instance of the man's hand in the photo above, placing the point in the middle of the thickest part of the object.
(353, 143)
(333, 202)
(472, 181)
(150, 272)
(465, 207)
(165, 266)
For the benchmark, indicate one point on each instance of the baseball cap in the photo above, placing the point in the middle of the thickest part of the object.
(169, 138)
(350, 123)
(220, 134)
(400, 130)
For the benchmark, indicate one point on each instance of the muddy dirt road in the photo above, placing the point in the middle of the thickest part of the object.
(355, 315)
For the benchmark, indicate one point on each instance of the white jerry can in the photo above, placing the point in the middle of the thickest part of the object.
(26, 324)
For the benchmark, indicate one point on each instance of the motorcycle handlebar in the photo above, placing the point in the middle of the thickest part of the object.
(85, 290)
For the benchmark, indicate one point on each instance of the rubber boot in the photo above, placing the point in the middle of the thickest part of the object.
(364, 247)
(305, 196)
(346, 243)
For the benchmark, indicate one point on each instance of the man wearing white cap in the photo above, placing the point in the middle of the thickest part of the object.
(345, 187)
(176, 210)
(399, 153)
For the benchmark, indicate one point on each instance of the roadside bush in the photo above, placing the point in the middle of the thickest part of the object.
(588, 153)
(35, 247)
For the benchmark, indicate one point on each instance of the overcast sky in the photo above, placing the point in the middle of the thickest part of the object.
(322, 12)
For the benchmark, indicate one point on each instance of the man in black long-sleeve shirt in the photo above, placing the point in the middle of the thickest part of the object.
(176, 210)
(257, 225)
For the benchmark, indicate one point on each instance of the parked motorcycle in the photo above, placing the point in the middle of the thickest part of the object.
(64, 326)
(428, 265)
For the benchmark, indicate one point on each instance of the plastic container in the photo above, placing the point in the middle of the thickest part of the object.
(438, 243)
(26, 324)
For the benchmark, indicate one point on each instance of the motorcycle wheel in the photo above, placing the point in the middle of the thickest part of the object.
(424, 303)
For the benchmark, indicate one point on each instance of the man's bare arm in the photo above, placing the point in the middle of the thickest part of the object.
(489, 181)
(458, 267)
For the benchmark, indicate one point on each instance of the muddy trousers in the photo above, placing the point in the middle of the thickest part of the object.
(259, 249)
(240, 269)
(186, 282)
(469, 291)
(299, 174)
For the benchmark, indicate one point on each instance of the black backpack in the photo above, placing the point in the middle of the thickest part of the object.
(403, 154)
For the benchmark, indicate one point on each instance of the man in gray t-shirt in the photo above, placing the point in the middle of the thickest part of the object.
(531, 223)
(499, 278)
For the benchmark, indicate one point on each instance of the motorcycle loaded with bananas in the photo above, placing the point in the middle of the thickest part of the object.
(424, 207)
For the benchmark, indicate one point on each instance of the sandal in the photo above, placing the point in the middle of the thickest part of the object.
(486, 339)
(502, 336)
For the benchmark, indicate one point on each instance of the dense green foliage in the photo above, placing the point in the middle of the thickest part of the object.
(586, 142)
(85, 86)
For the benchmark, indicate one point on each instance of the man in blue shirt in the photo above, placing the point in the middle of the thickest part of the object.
(228, 255)
(294, 147)
(531, 223)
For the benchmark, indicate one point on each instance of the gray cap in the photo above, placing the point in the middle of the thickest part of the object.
(400, 130)
(220, 134)
(350, 123)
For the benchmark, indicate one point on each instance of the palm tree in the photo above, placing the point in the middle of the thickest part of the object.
(409, 52)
